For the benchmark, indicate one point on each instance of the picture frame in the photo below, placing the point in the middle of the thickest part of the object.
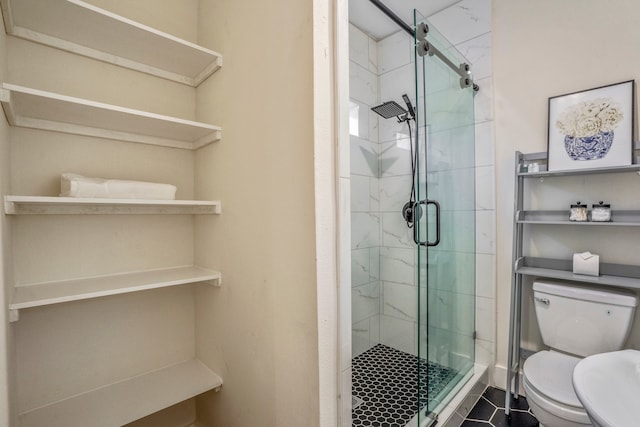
(592, 128)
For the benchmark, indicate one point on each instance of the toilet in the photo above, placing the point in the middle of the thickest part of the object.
(575, 321)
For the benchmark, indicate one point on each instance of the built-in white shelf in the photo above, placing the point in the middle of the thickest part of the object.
(38, 109)
(56, 292)
(37, 205)
(626, 276)
(619, 218)
(129, 400)
(81, 28)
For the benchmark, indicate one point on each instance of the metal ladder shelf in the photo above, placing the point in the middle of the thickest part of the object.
(619, 275)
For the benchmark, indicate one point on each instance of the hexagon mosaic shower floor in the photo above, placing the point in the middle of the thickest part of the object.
(384, 386)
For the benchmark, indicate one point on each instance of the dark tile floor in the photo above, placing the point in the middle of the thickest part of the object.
(385, 381)
(489, 411)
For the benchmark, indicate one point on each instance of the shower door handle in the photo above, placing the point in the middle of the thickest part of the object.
(416, 238)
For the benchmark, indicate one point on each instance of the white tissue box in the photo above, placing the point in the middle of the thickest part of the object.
(586, 263)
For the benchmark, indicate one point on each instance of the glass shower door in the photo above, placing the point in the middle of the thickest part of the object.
(446, 231)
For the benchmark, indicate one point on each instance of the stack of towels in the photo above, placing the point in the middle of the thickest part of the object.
(73, 185)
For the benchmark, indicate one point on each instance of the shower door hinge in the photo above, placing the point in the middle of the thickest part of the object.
(475, 335)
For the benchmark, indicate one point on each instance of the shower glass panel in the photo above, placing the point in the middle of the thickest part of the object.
(446, 191)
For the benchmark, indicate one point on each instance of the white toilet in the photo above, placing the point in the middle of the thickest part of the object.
(575, 321)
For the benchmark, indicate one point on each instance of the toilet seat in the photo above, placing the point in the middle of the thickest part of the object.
(548, 381)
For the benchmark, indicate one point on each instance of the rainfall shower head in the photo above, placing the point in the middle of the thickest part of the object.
(389, 109)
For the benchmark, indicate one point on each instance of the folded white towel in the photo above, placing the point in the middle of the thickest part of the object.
(73, 185)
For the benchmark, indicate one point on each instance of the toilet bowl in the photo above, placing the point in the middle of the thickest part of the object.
(547, 381)
(575, 321)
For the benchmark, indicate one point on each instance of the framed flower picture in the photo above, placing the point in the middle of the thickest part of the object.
(592, 128)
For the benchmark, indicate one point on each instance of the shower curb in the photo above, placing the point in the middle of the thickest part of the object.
(453, 414)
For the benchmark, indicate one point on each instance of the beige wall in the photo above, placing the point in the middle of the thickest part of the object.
(259, 331)
(6, 342)
(542, 49)
(175, 17)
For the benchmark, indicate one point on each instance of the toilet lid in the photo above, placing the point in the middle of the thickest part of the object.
(551, 374)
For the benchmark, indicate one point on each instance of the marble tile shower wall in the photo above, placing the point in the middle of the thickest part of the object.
(399, 292)
(383, 265)
(364, 180)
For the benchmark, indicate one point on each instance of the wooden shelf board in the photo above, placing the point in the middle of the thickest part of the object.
(620, 218)
(128, 400)
(37, 205)
(584, 223)
(611, 169)
(48, 293)
(81, 28)
(626, 276)
(37, 109)
(626, 282)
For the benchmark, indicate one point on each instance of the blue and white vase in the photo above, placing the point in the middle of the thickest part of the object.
(591, 147)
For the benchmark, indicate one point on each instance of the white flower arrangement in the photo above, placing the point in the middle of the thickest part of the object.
(589, 118)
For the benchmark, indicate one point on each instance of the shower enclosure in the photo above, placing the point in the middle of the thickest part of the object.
(413, 232)
(446, 248)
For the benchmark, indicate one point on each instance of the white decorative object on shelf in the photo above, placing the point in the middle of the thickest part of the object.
(37, 205)
(578, 212)
(586, 263)
(38, 109)
(129, 400)
(601, 212)
(81, 28)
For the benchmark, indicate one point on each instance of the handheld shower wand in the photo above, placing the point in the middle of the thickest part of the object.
(411, 211)
(412, 112)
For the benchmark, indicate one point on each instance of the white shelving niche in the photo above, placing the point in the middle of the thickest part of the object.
(81, 28)
(84, 29)
(618, 275)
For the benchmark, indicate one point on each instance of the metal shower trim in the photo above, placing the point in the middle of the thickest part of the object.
(424, 47)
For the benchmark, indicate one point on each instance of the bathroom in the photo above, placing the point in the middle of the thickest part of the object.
(273, 329)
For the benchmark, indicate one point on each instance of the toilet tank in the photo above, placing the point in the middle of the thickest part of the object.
(583, 320)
